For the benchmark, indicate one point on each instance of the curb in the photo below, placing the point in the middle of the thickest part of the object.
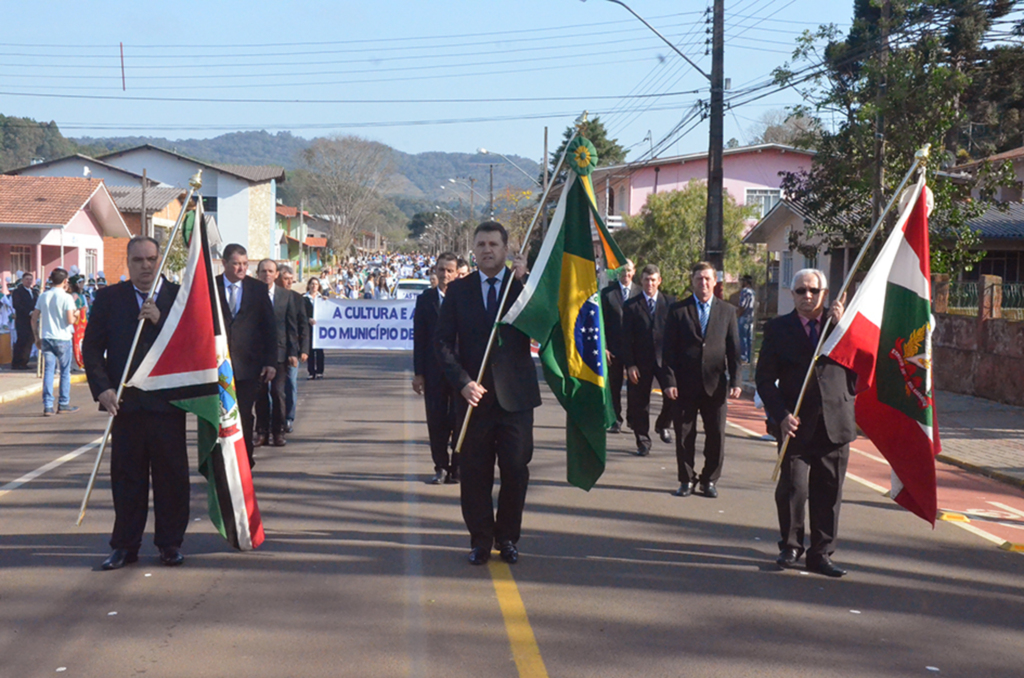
(18, 394)
(987, 471)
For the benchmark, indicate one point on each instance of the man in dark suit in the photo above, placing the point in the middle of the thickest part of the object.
(148, 434)
(23, 298)
(643, 332)
(815, 464)
(501, 422)
(613, 297)
(702, 346)
(252, 333)
(428, 376)
(270, 402)
(291, 392)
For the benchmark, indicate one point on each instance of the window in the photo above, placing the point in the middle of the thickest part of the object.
(210, 203)
(21, 258)
(91, 263)
(762, 200)
(811, 261)
(786, 274)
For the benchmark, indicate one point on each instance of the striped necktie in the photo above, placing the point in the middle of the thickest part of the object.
(704, 312)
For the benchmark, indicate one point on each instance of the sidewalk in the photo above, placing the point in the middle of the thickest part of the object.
(979, 435)
(23, 384)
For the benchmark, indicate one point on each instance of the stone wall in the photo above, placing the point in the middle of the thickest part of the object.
(261, 221)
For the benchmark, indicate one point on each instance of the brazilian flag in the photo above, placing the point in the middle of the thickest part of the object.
(560, 308)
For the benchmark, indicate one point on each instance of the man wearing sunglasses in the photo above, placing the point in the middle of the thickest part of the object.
(819, 447)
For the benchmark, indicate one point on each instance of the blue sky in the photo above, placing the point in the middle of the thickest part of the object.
(437, 75)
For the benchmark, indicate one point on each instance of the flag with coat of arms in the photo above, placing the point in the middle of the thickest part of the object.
(560, 308)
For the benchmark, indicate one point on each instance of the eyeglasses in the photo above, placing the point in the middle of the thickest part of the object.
(801, 291)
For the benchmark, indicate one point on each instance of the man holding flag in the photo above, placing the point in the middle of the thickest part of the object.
(148, 433)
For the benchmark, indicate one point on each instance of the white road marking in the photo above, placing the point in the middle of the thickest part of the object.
(59, 461)
(1010, 509)
(867, 483)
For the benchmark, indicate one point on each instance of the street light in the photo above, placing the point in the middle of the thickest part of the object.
(484, 151)
(470, 187)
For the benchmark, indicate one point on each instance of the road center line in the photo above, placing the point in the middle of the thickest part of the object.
(524, 645)
(32, 475)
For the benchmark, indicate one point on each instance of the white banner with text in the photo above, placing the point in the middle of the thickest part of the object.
(363, 324)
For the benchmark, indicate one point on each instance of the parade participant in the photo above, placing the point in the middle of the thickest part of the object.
(315, 364)
(428, 379)
(23, 298)
(53, 325)
(746, 320)
(291, 392)
(76, 286)
(643, 331)
(613, 298)
(819, 448)
(463, 267)
(270, 404)
(501, 424)
(701, 355)
(252, 333)
(148, 433)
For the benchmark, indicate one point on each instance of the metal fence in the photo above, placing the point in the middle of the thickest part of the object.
(963, 299)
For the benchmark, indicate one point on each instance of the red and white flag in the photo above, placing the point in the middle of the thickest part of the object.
(885, 336)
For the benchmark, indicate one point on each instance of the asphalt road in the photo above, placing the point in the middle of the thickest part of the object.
(364, 574)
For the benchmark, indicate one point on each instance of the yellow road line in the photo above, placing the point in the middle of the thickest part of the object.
(524, 645)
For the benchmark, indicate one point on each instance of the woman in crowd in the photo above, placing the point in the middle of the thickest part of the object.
(315, 364)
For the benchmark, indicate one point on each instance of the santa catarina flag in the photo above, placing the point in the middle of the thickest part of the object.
(560, 307)
(190, 365)
(885, 335)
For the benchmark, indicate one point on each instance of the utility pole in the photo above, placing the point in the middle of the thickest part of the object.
(144, 224)
(544, 188)
(491, 206)
(883, 61)
(713, 238)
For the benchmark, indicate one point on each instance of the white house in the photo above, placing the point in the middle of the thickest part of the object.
(79, 165)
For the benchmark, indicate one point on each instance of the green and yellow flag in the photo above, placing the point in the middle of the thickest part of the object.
(560, 308)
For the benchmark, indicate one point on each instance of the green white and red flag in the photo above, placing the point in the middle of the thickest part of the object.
(189, 364)
(885, 336)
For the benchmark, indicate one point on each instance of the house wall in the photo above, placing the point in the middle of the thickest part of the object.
(233, 217)
(168, 169)
(73, 167)
(261, 219)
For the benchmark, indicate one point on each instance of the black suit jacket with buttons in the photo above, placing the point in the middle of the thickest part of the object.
(643, 337)
(424, 323)
(252, 334)
(696, 361)
(612, 304)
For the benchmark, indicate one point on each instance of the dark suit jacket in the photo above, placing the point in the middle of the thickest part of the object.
(643, 339)
(286, 321)
(463, 327)
(302, 328)
(696, 362)
(252, 334)
(611, 311)
(424, 323)
(108, 340)
(785, 356)
(24, 302)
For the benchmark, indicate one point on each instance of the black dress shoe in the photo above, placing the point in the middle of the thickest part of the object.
(684, 490)
(788, 557)
(508, 551)
(709, 490)
(171, 556)
(615, 428)
(827, 568)
(643, 449)
(118, 559)
(438, 478)
(666, 435)
(280, 440)
(260, 439)
(479, 555)
(451, 478)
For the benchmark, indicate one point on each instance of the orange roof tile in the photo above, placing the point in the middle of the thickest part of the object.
(43, 200)
(315, 242)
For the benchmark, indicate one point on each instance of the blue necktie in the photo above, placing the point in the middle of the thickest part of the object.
(703, 312)
(812, 331)
(492, 296)
(650, 306)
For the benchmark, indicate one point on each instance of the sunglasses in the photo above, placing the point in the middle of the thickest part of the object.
(801, 291)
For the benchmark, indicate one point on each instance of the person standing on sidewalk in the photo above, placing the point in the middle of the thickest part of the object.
(746, 319)
(23, 298)
(53, 323)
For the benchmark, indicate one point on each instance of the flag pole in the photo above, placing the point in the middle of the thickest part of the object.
(195, 183)
(920, 156)
(526, 240)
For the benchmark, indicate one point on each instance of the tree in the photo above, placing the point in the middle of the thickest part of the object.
(792, 129)
(932, 63)
(609, 151)
(515, 208)
(669, 232)
(345, 176)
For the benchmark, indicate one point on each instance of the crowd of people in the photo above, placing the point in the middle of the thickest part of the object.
(692, 347)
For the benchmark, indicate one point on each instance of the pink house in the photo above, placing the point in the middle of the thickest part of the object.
(46, 222)
(751, 178)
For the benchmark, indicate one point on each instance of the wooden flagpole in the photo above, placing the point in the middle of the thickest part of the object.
(526, 240)
(920, 156)
(195, 183)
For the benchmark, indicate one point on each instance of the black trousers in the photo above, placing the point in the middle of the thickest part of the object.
(270, 405)
(23, 346)
(246, 391)
(638, 408)
(616, 375)
(813, 476)
(507, 437)
(439, 400)
(145, 444)
(315, 363)
(712, 409)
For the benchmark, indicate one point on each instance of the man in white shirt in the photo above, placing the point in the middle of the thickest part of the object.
(53, 323)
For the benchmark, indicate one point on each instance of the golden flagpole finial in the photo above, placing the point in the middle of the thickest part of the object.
(196, 181)
(924, 151)
(581, 122)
